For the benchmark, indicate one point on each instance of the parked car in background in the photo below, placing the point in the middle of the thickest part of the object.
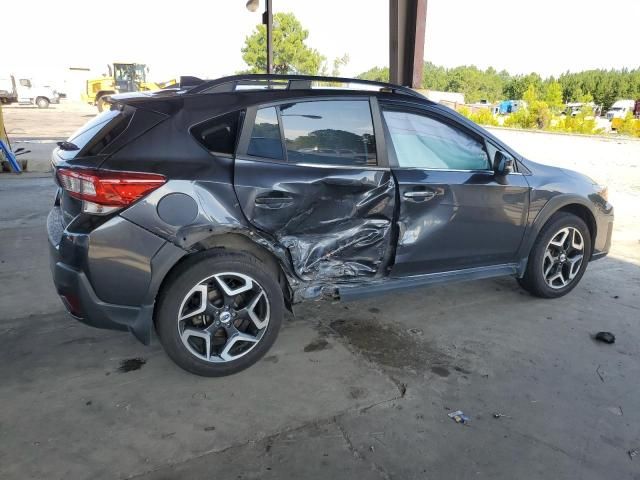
(25, 92)
(574, 108)
(205, 212)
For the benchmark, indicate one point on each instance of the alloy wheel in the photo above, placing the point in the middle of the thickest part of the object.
(563, 258)
(223, 317)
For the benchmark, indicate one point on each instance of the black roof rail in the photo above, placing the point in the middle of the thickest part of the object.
(294, 82)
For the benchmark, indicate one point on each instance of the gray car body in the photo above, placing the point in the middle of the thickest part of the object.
(118, 265)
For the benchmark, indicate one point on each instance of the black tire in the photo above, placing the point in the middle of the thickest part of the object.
(42, 102)
(191, 273)
(533, 280)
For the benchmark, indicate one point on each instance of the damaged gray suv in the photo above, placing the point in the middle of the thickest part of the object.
(205, 211)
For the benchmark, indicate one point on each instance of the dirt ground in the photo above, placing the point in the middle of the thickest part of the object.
(349, 390)
(55, 122)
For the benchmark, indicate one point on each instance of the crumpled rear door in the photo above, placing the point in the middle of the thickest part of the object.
(308, 172)
(335, 222)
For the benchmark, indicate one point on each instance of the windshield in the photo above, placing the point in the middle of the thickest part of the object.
(141, 73)
(124, 72)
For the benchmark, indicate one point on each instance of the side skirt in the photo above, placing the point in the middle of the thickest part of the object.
(372, 289)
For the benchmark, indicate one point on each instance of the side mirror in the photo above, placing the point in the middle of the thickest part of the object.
(502, 163)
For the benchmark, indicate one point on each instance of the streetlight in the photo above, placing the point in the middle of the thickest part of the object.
(267, 19)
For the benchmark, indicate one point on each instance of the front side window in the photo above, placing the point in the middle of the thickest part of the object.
(424, 142)
(336, 132)
(265, 136)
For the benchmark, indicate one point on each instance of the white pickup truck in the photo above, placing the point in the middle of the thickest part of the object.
(25, 93)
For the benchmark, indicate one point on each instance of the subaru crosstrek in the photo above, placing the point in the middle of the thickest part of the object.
(206, 211)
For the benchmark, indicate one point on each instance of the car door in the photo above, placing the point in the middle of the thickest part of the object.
(455, 212)
(308, 173)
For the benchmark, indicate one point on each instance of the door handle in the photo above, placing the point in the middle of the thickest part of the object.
(422, 195)
(273, 200)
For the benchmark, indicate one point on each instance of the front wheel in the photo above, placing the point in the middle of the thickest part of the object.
(219, 313)
(42, 102)
(559, 257)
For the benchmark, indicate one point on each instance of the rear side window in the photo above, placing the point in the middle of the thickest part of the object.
(425, 142)
(329, 132)
(218, 134)
(265, 136)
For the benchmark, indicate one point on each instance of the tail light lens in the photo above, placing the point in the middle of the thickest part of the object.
(102, 188)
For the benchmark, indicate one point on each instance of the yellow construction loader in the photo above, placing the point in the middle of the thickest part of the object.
(122, 78)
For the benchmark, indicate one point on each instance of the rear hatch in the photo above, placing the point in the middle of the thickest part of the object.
(77, 161)
(82, 150)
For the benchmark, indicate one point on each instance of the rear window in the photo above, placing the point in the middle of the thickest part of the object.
(219, 134)
(98, 132)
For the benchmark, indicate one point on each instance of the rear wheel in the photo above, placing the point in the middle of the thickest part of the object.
(220, 313)
(559, 257)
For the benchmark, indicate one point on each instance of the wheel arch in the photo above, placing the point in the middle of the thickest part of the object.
(234, 242)
(565, 203)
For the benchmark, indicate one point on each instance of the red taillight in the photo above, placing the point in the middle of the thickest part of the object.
(103, 187)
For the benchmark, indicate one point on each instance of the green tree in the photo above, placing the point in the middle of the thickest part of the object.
(290, 52)
(553, 96)
(375, 74)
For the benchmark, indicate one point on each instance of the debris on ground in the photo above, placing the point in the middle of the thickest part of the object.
(600, 373)
(500, 415)
(606, 337)
(633, 453)
(459, 416)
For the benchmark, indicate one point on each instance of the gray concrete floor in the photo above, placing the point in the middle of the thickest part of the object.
(349, 390)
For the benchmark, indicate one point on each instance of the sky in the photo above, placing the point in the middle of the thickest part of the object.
(204, 37)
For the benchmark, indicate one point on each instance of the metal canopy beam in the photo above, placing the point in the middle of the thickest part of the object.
(407, 19)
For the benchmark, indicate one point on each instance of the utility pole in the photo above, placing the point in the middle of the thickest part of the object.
(267, 19)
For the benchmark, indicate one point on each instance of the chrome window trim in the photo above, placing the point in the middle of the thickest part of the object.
(453, 170)
(333, 165)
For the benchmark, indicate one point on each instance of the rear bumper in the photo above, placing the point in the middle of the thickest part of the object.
(78, 265)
